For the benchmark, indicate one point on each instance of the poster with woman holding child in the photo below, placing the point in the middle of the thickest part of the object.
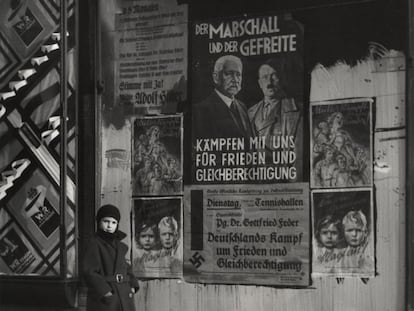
(157, 162)
(341, 143)
(343, 237)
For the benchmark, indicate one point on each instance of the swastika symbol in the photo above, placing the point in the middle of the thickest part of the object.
(197, 260)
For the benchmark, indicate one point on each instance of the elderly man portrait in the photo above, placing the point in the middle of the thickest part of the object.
(221, 114)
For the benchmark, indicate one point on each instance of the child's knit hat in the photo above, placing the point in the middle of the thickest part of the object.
(108, 210)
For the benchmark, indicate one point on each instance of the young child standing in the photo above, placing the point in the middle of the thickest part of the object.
(111, 283)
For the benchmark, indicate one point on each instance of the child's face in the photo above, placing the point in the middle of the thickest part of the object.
(341, 161)
(108, 224)
(147, 239)
(147, 163)
(167, 237)
(324, 127)
(173, 164)
(329, 236)
(329, 153)
(354, 233)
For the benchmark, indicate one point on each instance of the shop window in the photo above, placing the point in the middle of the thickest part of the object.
(38, 163)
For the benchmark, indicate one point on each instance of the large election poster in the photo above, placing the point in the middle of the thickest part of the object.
(247, 94)
(247, 209)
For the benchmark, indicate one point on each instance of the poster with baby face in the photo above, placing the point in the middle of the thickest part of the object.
(157, 248)
(341, 143)
(343, 233)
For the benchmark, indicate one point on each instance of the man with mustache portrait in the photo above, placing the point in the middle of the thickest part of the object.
(276, 115)
(221, 114)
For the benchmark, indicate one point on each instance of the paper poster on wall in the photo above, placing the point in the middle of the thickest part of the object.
(243, 224)
(151, 56)
(157, 237)
(341, 143)
(157, 156)
(247, 235)
(247, 95)
(343, 225)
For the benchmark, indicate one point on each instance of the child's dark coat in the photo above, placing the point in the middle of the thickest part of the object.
(103, 260)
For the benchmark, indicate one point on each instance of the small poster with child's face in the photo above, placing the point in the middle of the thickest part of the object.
(157, 243)
(343, 235)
